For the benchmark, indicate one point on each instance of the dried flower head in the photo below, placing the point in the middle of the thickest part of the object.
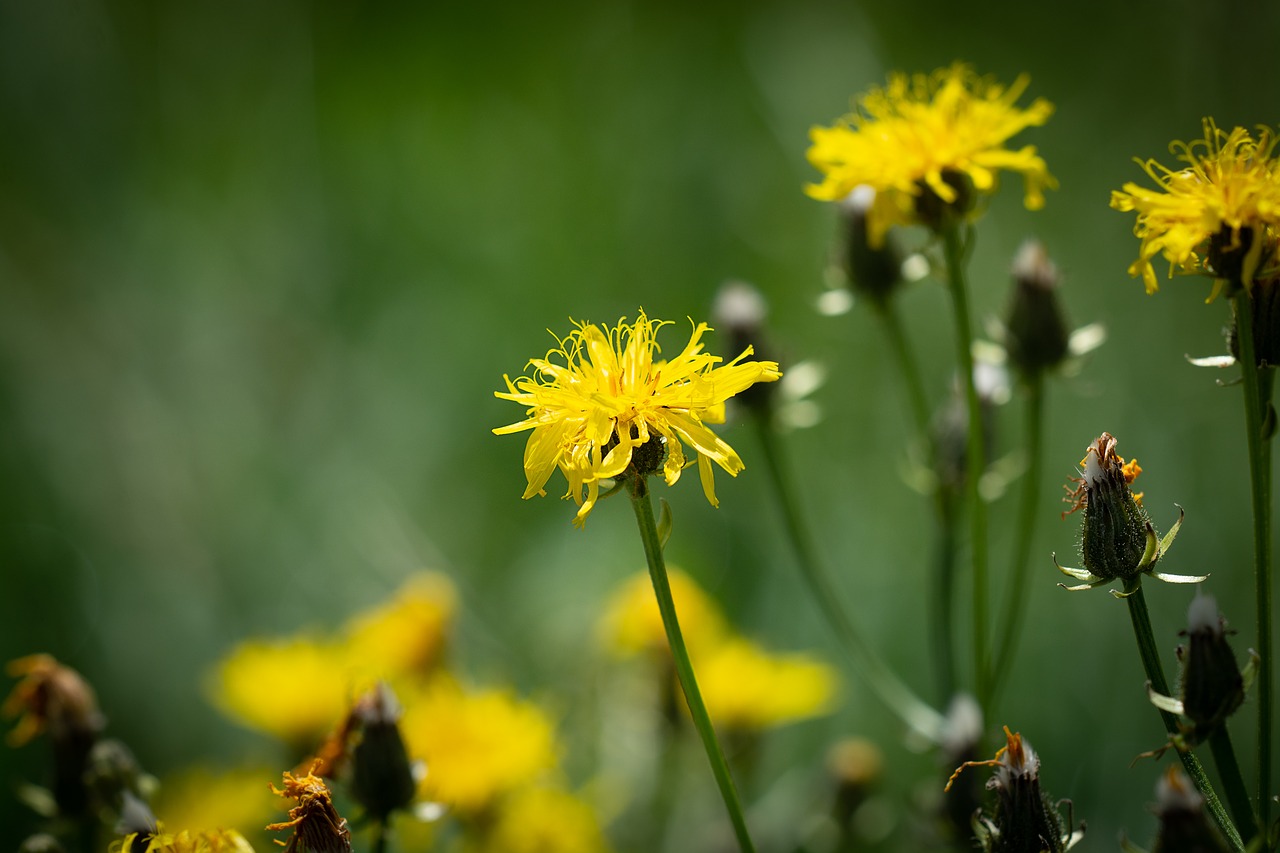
(317, 826)
(929, 141)
(50, 697)
(1217, 215)
(601, 402)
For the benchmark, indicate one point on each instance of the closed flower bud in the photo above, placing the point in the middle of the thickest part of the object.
(1183, 825)
(1264, 296)
(1212, 684)
(1036, 333)
(739, 312)
(317, 826)
(1024, 820)
(870, 271)
(381, 774)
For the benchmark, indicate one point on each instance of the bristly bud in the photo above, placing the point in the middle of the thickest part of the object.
(317, 826)
(1117, 539)
(739, 312)
(1025, 819)
(1212, 684)
(1036, 333)
(1264, 297)
(55, 699)
(381, 773)
(1183, 825)
(872, 272)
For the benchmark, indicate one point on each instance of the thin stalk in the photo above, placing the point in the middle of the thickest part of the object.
(1257, 402)
(1224, 756)
(684, 667)
(975, 458)
(1015, 604)
(1150, 655)
(380, 835)
(916, 400)
(941, 600)
(900, 699)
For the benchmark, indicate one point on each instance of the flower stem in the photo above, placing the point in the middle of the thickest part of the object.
(1150, 655)
(1224, 756)
(1259, 423)
(380, 835)
(888, 314)
(975, 457)
(900, 699)
(1015, 604)
(684, 667)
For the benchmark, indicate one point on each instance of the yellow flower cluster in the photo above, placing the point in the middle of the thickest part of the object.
(922, 132)
(217, 841)
(601, 394)
(745, 687)
(1218, 215)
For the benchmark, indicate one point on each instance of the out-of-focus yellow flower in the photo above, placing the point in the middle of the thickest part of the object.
(747, 688)
(408, 633)
(1218, 215)
(921, 133)
(296, 689)
(600, 400)
(476, 745)
(215, 841)
(632, 623)
(203, 797)
(539, 819)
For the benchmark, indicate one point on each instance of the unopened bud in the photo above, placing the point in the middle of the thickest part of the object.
(1114, 531)
(1264, 298)
(1212, 685)
(317, 826)
(1036, 333)
(739, 312)
(1183, 825)
(870, 270)
(381, 773)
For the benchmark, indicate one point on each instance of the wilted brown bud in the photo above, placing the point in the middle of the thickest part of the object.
(317, 826)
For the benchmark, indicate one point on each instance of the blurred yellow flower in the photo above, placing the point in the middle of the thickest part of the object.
(922, 132)
(632, 623)
(201, 797)
(216, 841)
(296, 689)
(543, 820)
(745, 687)
(408, 633)
(599, 397)
(1218, 215)
(476, 745)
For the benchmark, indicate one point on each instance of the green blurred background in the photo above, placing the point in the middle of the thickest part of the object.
(263, 265)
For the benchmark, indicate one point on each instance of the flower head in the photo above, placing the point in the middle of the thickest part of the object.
(541, 819)
(747, 688)
(929, 135)
(1217, 215)
(50, 697)
(632, 623)
(317, 826)
(601, 401)
(215, 841)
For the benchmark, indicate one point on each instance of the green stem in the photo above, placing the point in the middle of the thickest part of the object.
(379, 835)
(888, 314)
(942, 617)
(1224, 756)
(1150, 655)
(1016, 603)
(900, 699)
(684, 667)
(975, 458)
(1257, 407)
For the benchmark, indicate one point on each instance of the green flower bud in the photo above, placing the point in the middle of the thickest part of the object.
(381, 774)
(1180, 810)
(1213, 686)
(1113, 535)
(872, 272)
(1036, 333)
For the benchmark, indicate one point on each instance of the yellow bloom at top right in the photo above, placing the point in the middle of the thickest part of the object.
(1218, 215)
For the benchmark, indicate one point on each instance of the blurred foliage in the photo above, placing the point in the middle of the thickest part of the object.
(262, 266)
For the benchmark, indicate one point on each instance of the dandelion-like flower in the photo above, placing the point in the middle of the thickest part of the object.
(601, 400)
(185, 841)
(1218, 215)
(937, 134)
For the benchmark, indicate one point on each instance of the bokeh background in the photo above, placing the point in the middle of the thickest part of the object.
(263, 265)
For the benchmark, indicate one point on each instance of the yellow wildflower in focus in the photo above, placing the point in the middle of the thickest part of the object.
(632, 623)
(408, 633)
(600, 396)
(1217, 215)
(921, 133)
(476, 746)
(217, 841)
(543, 820)
(295, 689)
(202, 797)
(747, 688)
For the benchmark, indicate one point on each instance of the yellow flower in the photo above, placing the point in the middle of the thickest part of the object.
(543, 820)
(599, 396)
(747, 688)
(201, 797)
(476, 746)
(632, 622)
(295, 689)
(217, 841)
(408, 633)
(1218, 215)
(922, 132)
